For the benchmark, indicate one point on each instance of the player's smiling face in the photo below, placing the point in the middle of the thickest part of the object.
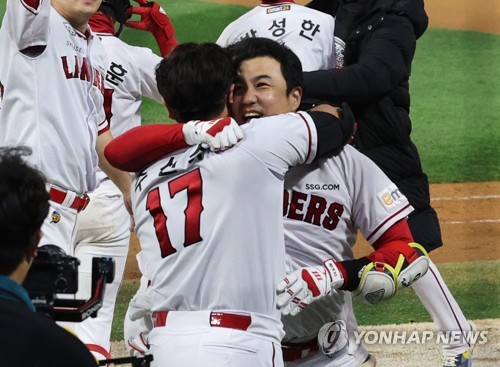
(260, 90)
(77, 12)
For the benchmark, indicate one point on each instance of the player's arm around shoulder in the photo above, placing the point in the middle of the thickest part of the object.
(335, 127)
(281, 141)
(27, 22)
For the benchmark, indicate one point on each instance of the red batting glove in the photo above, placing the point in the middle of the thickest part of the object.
(155, 20)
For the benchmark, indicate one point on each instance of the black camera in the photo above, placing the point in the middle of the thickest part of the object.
(54, 273)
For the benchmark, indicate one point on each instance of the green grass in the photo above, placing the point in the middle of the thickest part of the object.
(455, 92)
(475, 286)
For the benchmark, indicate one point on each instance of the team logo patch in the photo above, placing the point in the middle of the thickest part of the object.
(339, 53)
(56, 217)
(70, 29)
(391, 198)
(277, 9)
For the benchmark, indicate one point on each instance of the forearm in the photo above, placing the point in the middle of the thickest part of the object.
(143, 145)
(333, 132)
(388, 248)
(121, 179)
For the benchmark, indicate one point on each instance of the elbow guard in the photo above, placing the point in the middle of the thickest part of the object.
(378, 281)
(411, 269)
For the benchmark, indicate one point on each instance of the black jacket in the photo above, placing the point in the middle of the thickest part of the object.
(380, 37)
(28, 339)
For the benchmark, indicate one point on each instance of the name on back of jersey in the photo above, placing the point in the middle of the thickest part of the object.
(168, 166)
(391, 198)
(278, 28)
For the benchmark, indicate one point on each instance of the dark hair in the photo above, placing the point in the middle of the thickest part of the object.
(24, 204)
(194, 80)
(252, 47)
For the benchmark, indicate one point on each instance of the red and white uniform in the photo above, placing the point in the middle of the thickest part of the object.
(212, 239)
(52, 93)
(326, 203)
(308, 32)
(103, 227)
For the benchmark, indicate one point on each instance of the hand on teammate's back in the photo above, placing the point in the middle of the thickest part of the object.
(218, 135)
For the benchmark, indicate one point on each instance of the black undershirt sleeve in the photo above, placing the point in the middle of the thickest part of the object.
(333, 133)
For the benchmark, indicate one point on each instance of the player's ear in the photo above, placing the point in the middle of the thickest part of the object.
(171, 114)
(295, 98)
(32, 251)
(230, 97)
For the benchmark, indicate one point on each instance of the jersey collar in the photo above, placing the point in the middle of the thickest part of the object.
(102, 24)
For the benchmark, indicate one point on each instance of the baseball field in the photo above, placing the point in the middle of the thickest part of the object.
(455, 90)
(455, 93)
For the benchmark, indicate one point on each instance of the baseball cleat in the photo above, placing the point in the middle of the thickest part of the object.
(370, 361)
(460, 360)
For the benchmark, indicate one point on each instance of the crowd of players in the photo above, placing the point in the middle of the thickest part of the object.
(246, 257)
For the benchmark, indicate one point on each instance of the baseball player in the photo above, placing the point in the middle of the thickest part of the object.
(315, 52)
(205, 254)
(389, 207)
(380, 40)
(52, 71)
(325, 204)
(103, 228)
(308, 32)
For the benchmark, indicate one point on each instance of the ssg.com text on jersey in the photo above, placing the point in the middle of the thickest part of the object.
(322, 187)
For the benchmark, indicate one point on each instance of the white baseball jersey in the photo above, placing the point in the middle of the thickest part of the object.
(103, 227)
(326, 203)
(308, 32)
(52, 85)
(210, 224)
(129, 77)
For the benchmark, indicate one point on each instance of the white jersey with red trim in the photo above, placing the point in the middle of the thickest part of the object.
(103, 227)
(308, 32)
(129, 77)
(210, 224)
(52, 92)
(326, 203)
